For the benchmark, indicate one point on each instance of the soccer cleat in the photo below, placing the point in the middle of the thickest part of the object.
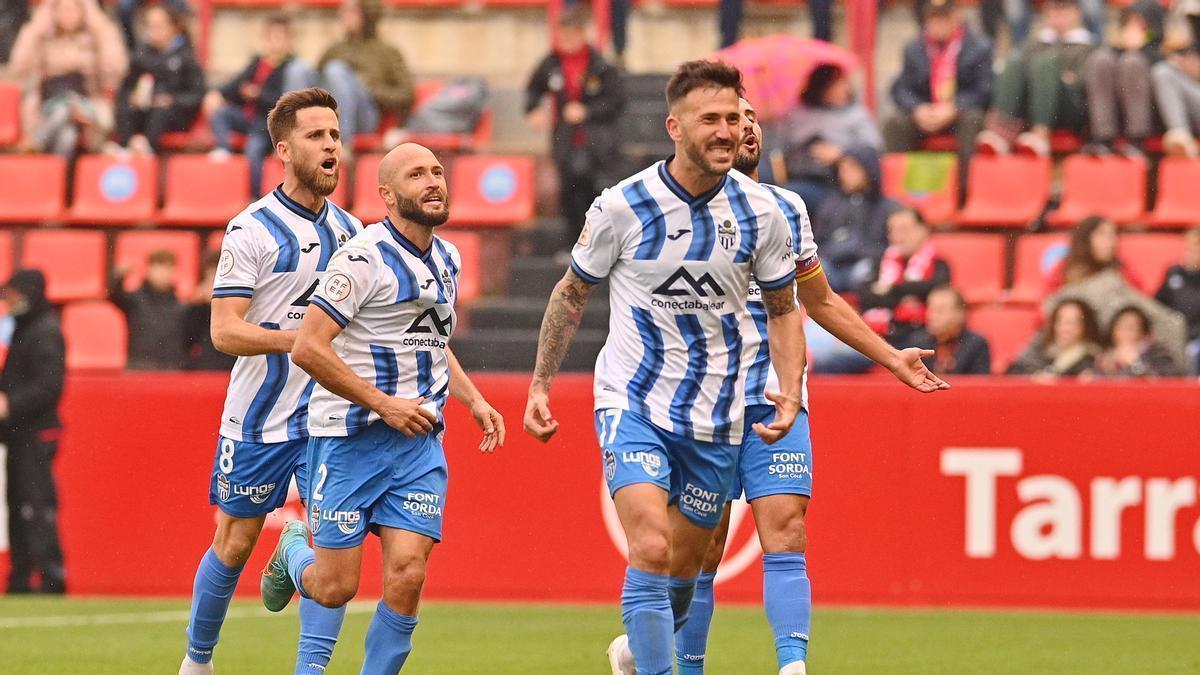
(794, 668)
(277, 587)
(190, 667)
(620, 658)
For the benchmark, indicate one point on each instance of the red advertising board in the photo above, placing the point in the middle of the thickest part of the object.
(997, 492)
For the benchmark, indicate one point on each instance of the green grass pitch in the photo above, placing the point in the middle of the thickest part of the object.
(103, 636)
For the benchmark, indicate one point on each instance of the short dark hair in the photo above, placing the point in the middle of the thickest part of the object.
(161, 256)
(819, 81)
(703, 74)
(1143, 321)
(278, 19)
(282, 118)
(575, 16)
(947, 288)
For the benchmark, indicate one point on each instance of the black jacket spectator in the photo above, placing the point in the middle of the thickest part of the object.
(156, 320)
(271, 87)
(201, 354)
(973, 81)
(1181, 292)
(894, 301)
(603, 96)
(33, 374)
(176, 74)
(851, 225)
(968, 354)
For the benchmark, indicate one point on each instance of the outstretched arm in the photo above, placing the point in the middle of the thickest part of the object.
(836, 316)
(559, 324)
(464, 391)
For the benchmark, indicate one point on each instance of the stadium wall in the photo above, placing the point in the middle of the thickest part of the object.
(996, 493)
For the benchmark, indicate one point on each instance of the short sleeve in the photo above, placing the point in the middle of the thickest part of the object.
(598, 247)
(775, 258)
(348, 284)
(242, 262)
(803, 243)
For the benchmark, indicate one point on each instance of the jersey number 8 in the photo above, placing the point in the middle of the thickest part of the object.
(226, 459)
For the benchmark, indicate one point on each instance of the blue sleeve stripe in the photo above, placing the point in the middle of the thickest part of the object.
(778, 283)
(584, 275)
(330, 310)
(233, 292)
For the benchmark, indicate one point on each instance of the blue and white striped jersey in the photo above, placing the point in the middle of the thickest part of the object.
(273, 253)
(395, 304)
(680, 265)
(760, 375)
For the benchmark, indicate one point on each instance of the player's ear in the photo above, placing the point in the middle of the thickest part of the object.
(283, 152)
(385, 193)
(673, 129)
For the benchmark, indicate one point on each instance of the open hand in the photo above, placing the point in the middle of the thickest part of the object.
(910, 370)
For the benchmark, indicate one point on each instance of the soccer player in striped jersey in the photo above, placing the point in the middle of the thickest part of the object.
(680, 242)
(270, 260)
(376, 343)
(777, 479)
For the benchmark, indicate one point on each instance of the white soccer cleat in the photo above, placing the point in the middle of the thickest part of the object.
(794, 668)
(190, 667)
(620, 658)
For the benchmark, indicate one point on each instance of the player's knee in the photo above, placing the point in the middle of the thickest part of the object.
(335, 592)
(405, 574)
(650, 550)
(234, 545)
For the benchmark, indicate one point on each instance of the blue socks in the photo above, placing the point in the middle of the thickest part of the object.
(389, 641)
(319, 628)
(681, 591)
(646, 612)
(691, 641)
(788, 600)
(210, 601)
(298, 557)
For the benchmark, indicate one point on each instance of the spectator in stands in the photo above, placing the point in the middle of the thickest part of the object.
(128, 10)
(1019, 14)
(1118, 82)
(72, 58)
(893, 302)
(1042, 87)
(164, 86)
(197, 323)
(154, 315)
(1067, 347)
(1177, 92)
(367, 76)
(957, 350)
(31, 386)
(241, 104)
(13, 15)
(1181, 292)
(851, 225)
(1093, 250)
(945, 85)
(818, 132)
(1131, 350)
(729, 20)
(587, 97)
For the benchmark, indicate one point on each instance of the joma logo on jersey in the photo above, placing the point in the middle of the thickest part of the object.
(257, 493)
(431, 321)
(683, 283)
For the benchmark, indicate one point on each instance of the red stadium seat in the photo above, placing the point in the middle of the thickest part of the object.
(491, 190)
(1112, 186)
(368, 207)
(133, 248)
(273, 177)
(111, 191)
(6, 255)
(1036, 255)
(198, 137)
(479, 138)
(1148, 256)
(96, 335)
(470, 247)
(73, 262)
(1178, 202)
(204, 192)
(930, 186)
(976, 264)
(1005, 191)
(33, 188)
(10, 113)
(1007, 329)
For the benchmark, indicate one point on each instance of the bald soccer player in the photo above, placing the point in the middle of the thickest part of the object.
(379, 353)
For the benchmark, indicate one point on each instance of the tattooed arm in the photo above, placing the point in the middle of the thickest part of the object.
(559, 324)
(785, 335)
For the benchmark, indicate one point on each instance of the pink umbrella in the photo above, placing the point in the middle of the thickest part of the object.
(776, 68)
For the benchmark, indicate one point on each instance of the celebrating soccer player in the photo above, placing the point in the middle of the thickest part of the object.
(680, 241)
(777, 479)
(386, 315)
(270, 260)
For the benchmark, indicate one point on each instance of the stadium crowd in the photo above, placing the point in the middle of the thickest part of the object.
(94, 84)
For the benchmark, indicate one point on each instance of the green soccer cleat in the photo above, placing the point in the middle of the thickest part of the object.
(277, 587)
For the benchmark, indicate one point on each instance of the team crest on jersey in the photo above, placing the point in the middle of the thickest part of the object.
(225, 264)
(222, 487)
(314, 518)
(338, 287)
(610, 464)
(727, 233)
(446, 282)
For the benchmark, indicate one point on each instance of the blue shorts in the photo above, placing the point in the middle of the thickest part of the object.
(697, 475)
(375, 478)
(252, 479)
(783, 468)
